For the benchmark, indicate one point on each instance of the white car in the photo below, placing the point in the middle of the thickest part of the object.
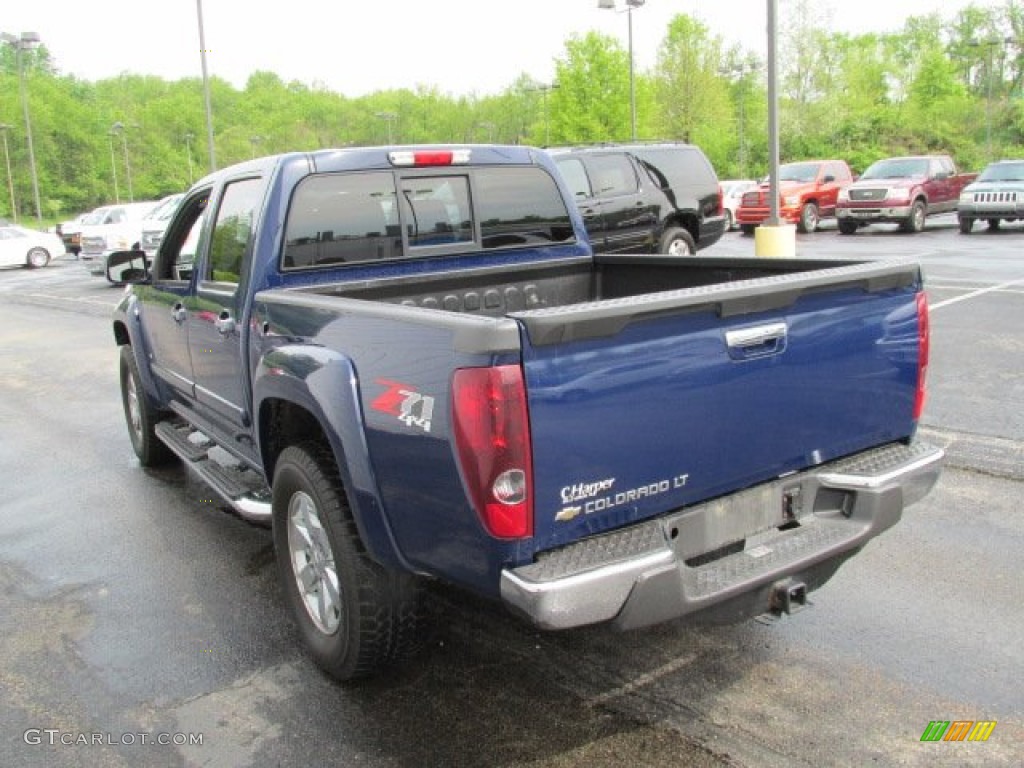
(111, 228)
(732, 194)
(21, 247)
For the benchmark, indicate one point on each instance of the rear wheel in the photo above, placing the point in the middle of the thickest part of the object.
(748, 229)
(677, 242)
(847, 227)
(140, 414)
(37, 257)
(808, 218)
(355, 615)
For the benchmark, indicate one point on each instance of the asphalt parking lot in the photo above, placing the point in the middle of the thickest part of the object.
(133, 607)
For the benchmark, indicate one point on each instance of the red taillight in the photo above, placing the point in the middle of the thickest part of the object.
(923, 351)
(492, 438)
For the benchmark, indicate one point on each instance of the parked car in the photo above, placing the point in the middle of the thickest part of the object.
(70, 232)
(732, 192)
(112, 228)
(902, 190)
(155, 222)
(997, 195)
(644, 198)
(808, 192)
(27, 247)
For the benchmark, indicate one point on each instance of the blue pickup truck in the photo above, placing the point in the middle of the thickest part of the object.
(409, 362)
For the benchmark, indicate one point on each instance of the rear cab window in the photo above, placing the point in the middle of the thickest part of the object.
(373, 216)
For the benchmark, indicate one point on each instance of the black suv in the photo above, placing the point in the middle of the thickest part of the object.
(644, 198)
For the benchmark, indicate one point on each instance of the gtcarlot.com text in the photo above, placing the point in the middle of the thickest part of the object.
(56, 738)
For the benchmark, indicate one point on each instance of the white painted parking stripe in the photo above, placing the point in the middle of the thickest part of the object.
(975, 294)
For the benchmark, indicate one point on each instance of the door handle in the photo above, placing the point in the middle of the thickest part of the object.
(225, 323)
(178, 313)
(761, 340)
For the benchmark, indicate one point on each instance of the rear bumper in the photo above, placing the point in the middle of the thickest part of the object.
(757, 216)
(654, 571)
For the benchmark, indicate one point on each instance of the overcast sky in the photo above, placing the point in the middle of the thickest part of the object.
(357, 47)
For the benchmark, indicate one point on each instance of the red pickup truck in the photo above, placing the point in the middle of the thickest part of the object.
(901, 190)
(808, 192)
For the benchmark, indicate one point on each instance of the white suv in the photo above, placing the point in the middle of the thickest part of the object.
(111, 228)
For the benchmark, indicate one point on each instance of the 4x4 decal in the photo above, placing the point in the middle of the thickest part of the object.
(405, 403)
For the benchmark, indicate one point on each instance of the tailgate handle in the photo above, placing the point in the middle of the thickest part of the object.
(761, 340)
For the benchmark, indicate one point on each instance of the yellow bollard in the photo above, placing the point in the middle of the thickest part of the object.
(777, 242)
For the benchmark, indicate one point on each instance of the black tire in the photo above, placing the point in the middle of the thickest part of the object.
(677, 242)
(747, 229)
(37, 257)
(808, 219)
(966, 224)
(373, 618)
(847, 227)
(915, 222)
(140, 415)
(993, 224)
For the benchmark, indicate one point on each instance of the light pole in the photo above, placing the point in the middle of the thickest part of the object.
(188, 153)
(206, 85)
(253, 142)
(630, 5)
(389, 117)
(21, 44)
(119, 127)
(544, 88)
(489, 127)
(113, 166)
(742, 70)
(991, 45)
(4, 128)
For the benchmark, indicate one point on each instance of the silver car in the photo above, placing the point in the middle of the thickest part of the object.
(996, 195)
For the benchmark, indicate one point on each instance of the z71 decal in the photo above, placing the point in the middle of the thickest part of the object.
(404, 403)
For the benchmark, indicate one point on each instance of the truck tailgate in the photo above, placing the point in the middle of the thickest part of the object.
(639, 406)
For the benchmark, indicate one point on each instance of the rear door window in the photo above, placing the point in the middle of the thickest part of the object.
(613, 175)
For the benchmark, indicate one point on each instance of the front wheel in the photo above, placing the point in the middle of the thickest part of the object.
(355, 615)
(677, 242)
(847, 227)
(808, 219)
(993, 224)
(37, 257)
(966, 225)
(140, 414)
(915, 223)
(730, 222)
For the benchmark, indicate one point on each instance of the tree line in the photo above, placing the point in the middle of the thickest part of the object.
(936, 85)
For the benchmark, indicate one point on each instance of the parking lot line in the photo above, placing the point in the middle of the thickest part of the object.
(975, 294)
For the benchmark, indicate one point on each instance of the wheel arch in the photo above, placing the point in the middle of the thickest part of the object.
(291, 410)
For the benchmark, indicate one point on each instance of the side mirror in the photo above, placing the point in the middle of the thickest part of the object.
(942, 175)
(829, 178)
(127, 267)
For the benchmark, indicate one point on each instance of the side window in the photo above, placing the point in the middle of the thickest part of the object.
(613, 175)
(342, 218)
(232, 230)
(575, 176)
(175, 259)
(520, 206)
